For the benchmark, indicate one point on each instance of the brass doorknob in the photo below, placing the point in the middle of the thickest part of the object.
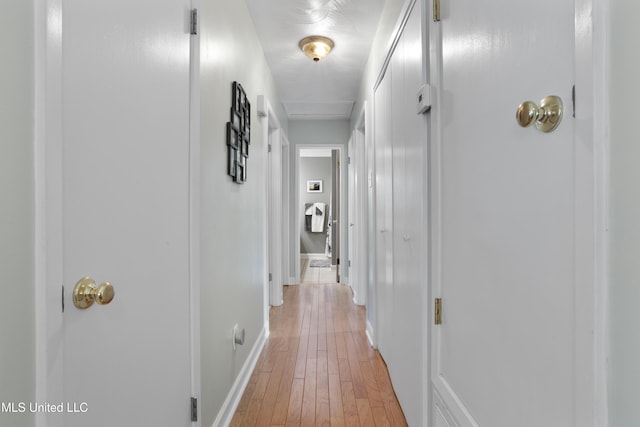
(547, 117)
(86, 293)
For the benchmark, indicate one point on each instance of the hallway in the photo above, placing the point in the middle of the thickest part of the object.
(317, 367)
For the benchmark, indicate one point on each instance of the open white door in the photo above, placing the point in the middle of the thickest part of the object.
(512, 221)
(124, 176)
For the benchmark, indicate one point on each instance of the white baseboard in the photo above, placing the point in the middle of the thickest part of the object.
(235, 394)
(293, 281)
(370, 335)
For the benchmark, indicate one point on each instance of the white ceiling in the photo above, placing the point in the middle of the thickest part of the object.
(316, 90)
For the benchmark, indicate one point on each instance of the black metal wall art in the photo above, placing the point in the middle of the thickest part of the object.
(238, 134)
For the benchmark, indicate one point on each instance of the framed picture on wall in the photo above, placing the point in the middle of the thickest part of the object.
(314, 186)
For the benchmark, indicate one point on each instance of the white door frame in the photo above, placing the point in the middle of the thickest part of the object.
(592, 109)
(272, 137)
(358, 245)
(592, 141)
(194, 215)
(353, 223)
(286, 209)
(48, 170)
(49, 356)
(342, 155)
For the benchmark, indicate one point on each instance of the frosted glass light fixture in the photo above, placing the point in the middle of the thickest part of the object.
(316, 47)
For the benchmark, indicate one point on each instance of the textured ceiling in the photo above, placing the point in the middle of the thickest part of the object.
(325, 89)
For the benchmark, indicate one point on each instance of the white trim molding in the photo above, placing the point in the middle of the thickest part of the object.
(237, 389)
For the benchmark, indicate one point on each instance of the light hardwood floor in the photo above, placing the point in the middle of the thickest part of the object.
(317, 368)
(314, 274)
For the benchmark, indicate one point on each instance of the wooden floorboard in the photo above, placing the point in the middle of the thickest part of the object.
(317, 368)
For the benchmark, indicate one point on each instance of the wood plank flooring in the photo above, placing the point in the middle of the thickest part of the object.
(317, 368)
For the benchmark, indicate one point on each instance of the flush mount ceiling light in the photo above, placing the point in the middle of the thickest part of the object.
(316, 47)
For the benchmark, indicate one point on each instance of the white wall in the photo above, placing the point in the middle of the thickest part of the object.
(17, 324)
(232, 227)
(624, 371)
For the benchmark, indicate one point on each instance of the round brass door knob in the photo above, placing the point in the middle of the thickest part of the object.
(86, 293)
(547, 117)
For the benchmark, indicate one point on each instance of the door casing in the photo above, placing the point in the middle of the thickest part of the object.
(358, 199)
(275, 169)
(343, 191)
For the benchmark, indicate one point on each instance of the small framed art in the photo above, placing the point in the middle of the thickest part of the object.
(314, 186)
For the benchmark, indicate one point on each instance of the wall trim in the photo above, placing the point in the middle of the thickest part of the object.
(395, 38)
(270, 123)
(360, 247)
(194, 214)
(595, 66)
(49, 357)
(370, 334)
(232, 401)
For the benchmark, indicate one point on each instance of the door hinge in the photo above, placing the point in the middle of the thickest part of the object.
(270, 277)
(436, 10)
(349, 263)
(349, 160)
(269, 148)
(573, 100)
(194, 22)
(194, 409)
(63, 298)
(438, 311)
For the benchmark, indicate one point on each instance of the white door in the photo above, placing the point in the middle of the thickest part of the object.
(125, 183)
(384, 216)
(408, 183)
(507, 218)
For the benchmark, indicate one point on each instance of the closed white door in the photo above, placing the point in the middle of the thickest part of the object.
(125, 184)
(508, 219)
(384, 216)
(409, 256)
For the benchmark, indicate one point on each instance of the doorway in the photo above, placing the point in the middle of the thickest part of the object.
(319, 224)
